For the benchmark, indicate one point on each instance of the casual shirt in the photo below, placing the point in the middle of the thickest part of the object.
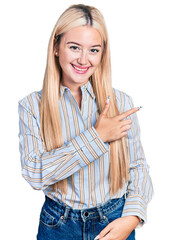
(83, 159)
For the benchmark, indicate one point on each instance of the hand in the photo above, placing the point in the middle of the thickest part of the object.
(119, 229)
(113, 128)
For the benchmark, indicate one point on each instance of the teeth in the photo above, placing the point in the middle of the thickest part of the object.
(79, 68)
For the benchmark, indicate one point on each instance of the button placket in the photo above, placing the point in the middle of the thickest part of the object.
(83, 100)
(80, 111)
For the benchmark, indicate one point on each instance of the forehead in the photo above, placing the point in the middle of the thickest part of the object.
(84, 35)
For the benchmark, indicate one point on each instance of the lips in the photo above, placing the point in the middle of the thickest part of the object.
(80, 69)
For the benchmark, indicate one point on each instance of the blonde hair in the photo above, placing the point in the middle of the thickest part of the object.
(74, 16)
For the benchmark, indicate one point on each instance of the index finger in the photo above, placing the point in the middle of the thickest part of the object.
(127, 113)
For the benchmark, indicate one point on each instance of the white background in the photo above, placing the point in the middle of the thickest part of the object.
(141, 43)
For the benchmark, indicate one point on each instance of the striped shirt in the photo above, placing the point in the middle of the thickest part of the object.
(84, 158)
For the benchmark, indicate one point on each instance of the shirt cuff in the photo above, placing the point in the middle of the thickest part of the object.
(89, 146)
(135, 205)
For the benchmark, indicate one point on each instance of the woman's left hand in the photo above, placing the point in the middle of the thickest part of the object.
(119, 229)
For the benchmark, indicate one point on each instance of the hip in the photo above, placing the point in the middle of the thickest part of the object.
(60, 221)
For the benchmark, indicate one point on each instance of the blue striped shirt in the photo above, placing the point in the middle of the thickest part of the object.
(84, 157)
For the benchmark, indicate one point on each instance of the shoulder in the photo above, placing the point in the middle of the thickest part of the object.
(31, 102)
(124, 101)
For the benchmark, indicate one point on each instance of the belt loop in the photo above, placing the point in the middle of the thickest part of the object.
(100, 212)
(67, 209)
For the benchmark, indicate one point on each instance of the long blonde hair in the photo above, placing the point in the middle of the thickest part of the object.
(74, 16)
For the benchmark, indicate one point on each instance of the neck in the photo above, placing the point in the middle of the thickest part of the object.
(74, 88)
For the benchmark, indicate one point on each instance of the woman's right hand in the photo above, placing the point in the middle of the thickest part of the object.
(112, 128)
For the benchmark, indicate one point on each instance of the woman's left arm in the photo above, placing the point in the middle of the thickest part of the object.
(139, 189)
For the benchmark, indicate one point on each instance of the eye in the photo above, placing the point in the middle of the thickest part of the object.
(94, 50)
(74, 48)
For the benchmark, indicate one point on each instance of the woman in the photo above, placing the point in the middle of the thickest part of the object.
(79, 138)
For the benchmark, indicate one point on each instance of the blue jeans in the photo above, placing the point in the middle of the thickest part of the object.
(59, 221)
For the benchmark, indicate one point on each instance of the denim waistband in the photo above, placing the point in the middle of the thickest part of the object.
(83, 214)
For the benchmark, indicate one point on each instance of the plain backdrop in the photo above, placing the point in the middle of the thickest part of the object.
(141, 48)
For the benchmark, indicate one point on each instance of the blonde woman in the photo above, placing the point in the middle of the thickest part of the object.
(80, 138)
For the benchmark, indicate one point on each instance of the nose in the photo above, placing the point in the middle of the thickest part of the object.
(83, 58)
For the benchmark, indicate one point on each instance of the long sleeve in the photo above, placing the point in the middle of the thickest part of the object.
(41, 168)
(139, 190)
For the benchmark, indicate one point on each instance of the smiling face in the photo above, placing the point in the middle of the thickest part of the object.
(79, 53)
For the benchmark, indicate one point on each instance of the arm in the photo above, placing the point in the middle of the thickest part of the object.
(41, 168)
(140, 185)
(139, 190)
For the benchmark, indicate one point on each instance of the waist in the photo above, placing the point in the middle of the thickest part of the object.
(83, 198)
(78, 214)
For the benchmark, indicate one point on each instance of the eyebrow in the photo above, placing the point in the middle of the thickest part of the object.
(98, 45)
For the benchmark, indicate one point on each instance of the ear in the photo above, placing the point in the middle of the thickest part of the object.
(56, 50)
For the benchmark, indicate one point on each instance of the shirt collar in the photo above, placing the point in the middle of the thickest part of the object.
(86, 87)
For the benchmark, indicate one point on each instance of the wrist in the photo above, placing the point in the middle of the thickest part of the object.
(99, 134)
(132, 221)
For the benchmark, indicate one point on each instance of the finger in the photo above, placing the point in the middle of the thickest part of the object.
(125, 128)
(105, 231)
(123, 134)
(107, 237)
(126, 122)
(127, 113)
(106, 108)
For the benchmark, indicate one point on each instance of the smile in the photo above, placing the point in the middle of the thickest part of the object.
(80, 69)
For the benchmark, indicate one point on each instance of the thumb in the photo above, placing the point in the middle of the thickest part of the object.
(106, 107)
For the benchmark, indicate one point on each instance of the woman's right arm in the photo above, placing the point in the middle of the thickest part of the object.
(41, 168)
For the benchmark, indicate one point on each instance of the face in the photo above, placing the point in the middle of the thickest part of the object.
(79, 53)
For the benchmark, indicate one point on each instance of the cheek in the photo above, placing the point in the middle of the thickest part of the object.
(96, 61)
(63, 61)
(64, 57)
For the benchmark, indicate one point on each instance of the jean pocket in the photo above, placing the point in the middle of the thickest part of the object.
(115, 211)
(49, 220)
